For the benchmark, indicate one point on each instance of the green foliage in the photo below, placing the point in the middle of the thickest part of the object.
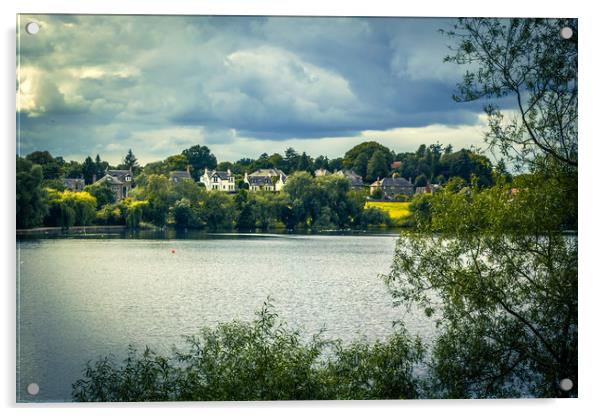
(102, 192)
(89, 170)
(358, 157)
(420, 209)
(378, 166)
(527, 60)
(160, 196)
(32, 205)
(130, 162)
(378, 194)
(501, 277)
(421, 180)
(135, 212)
(184, 214)
(67, 208)
(51, 167)
(259, 360)
(373, 216)
(217, 211)
(176, 162)
(111, 214)
(199, 157)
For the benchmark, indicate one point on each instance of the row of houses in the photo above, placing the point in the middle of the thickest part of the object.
(270, 180)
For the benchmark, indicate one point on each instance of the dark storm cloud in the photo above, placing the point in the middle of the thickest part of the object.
(90, 83)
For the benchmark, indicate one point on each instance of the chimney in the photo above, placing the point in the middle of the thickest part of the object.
(246, 176)
(94, 178)
(205, 170)
(229, 172)
(188, 169)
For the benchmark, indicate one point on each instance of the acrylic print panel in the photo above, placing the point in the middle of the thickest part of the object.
(276, 208)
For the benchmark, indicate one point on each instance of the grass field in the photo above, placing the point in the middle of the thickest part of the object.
(396, 210)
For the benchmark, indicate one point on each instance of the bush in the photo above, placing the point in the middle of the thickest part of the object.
(374, 216)
(259, 360)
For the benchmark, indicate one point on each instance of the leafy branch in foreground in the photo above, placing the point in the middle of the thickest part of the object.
(258, 360)
(528, 60)
(500, 276)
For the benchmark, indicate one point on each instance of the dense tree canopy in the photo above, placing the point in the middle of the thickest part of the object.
(31, 203)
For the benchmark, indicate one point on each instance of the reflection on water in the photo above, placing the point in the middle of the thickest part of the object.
(80, 299)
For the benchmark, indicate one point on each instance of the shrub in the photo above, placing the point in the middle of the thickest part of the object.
(259, 360)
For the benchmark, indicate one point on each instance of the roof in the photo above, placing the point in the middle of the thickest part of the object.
(119, 173)
(268, 173)
(180, 174)
(395, 182)
(73, 180)
(110, 179)
(259, 180)
(221, 173)
(356, 180)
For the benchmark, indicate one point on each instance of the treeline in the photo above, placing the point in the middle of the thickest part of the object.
(307, 201)
(370, 160)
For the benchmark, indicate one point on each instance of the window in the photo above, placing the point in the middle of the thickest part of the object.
(128, 178)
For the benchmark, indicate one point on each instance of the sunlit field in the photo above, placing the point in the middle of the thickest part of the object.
(396, 210)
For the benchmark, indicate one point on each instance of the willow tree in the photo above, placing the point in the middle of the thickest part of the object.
(495, 267)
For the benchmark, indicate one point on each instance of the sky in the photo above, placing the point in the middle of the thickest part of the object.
(242, 86)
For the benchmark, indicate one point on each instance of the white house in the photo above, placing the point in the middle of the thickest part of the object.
(218, 180)
(271, 180)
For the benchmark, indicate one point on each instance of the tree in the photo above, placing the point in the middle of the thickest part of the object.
(103, 193)
(130, 162)
(377, 166)
(528, 60)
(373, 216)
(101, 167)
(51, 167)
(176, 162)
(291, 159)
(493, 267)
(159, 194)
(421, 180)
(89, 170)
(200, 157)
(31, 202)
(217, 211)
(358, 156)
(501, 280)
(305, 163)
(184, 214)
(360, 164)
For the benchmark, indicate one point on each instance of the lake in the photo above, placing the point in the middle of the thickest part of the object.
(83, 298)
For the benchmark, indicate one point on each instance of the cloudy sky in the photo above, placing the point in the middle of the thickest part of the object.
(240, 85)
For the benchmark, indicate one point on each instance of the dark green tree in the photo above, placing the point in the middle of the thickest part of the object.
(103, 194)
(421, 180)
(200, 157)
(51, 168)
(31, 201)
(130, 161)
(377, 166)
(89, 170)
